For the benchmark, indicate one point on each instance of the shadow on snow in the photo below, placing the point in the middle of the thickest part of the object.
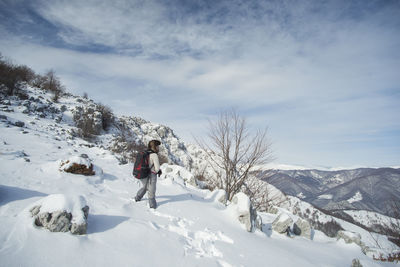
(176, 198)
(103, 223)
(10, 194)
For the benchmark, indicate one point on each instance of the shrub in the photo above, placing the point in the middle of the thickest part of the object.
(14, 77)
(88, 123)
(162, 158)
(126, 147)
(330, 228)
(391, 257)
(52, 83)
(107, 116)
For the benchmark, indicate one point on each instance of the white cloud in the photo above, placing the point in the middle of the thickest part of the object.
(314, 73)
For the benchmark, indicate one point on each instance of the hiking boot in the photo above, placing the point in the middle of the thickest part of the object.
(152, 203)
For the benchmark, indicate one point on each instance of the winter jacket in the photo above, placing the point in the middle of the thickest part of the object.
(154, 163)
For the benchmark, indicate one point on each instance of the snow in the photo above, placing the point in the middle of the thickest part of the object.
(301, 195)
(189, 227)
(326, 196)
(242, 203)
(370, 218)
(357, 197)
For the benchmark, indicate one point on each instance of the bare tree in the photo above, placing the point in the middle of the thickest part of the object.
(52, 83)
(262, 194)
(233, 152)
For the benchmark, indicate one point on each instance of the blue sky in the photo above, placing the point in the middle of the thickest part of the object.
(323, 76)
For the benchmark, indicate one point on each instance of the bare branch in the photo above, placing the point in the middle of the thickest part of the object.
(233, 151)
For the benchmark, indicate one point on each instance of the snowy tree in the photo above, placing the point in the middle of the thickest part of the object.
(234, 152)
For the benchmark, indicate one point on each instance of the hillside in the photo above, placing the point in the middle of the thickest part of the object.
(189, 228)
(359, 189)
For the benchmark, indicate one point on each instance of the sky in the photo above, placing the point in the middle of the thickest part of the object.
(323, 76)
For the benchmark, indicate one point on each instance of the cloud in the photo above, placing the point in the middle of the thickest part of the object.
(318, 73)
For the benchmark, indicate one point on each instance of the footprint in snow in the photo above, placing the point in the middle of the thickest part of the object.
(197, 243)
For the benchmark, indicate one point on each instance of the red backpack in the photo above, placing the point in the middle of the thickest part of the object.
(141, 168)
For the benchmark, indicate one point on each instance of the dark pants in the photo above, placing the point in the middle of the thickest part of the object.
(149, 186)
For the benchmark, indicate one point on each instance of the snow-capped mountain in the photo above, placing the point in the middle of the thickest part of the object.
(190, 227)
(372, 189)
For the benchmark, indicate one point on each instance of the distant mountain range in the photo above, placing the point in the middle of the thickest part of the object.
(361, 189)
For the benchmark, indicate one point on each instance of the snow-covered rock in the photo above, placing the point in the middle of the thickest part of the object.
(60, 213)
(78, 165)
(302, 228)
(350, 237)
(282, 223)
(218, 195)
(244, 212)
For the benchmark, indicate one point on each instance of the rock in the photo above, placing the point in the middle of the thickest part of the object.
(81, 229)
(35, 210)
(296, 229)
(302, 228)
(80, 169)
(356, 263)
(60, 221)
(221, 197)
(273, 210)
(282, 223)
(350, 237)
(64, 218)
(3, 117)
(245, 212)
(19, 124)
(78, 165)
(258, 222)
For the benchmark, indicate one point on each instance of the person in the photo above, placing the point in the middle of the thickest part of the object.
(149, 183)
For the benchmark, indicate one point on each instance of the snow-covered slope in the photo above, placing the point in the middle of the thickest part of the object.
(189, 227)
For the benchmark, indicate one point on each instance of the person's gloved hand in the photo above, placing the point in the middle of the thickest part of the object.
(159, 173)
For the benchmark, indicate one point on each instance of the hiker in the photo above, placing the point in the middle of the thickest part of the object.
(149, 183)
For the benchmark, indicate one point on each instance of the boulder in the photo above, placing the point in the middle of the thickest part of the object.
(19, 124)
(302, 228)
(78, 165)
(58, 221)
(282, 223)
(59, 213)
(245, 213)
